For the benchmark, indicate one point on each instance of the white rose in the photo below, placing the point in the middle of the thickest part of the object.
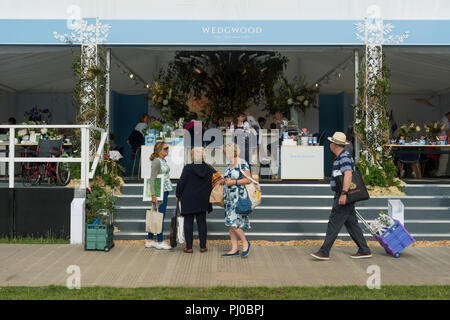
(417, 128)
(44, 130)
(306, 103)
(165, 102)
(290, 101)
(379, 149)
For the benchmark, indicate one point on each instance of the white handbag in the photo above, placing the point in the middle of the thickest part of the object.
(154, 220)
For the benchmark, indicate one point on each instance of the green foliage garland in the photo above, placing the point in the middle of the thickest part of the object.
(376, 163)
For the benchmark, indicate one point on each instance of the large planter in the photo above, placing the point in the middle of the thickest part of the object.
(99, 237)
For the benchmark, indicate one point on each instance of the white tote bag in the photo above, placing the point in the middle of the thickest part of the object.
(154, 220)
(180, 230)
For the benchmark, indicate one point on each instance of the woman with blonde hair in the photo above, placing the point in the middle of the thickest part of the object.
(159, 166)
(193, 190)
(234, 189)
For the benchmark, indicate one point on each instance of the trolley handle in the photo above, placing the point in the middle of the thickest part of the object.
(360, 217)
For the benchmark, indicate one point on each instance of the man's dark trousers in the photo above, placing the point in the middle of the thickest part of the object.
(340, 216)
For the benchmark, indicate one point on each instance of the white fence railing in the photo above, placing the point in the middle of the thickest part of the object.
(85, 158)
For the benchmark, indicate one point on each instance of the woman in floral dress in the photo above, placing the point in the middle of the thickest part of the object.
(234, 188)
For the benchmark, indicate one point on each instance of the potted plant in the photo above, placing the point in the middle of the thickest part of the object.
(157, 126)
(99, 219)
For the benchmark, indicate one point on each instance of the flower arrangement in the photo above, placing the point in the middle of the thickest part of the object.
(433, 128)
(381, 224)
(409, 129)
(168, 98)
(295, 94)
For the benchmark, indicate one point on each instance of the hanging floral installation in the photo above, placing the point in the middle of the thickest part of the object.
(221, 83)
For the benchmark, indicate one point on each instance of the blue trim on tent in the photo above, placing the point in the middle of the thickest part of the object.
(225, 32)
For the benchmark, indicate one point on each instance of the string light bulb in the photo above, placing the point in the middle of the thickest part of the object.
(131, 75)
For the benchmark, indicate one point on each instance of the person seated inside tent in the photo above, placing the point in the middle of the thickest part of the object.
(136, 138)
(411, 160)
(11, 121)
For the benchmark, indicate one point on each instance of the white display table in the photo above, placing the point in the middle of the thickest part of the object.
(302, 162)
(175, 160)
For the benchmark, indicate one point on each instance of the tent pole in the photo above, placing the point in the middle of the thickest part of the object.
(355, 100)
(108, 93)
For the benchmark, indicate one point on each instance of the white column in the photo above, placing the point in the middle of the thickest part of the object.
(108, 93)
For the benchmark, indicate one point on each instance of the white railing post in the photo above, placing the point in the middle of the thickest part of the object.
(87, 156)
(84, 148)
(99, 154)
(12, 153)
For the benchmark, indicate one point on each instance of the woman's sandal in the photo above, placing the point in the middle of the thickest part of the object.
(188, 250)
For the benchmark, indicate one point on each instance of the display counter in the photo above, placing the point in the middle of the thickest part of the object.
(302, 162)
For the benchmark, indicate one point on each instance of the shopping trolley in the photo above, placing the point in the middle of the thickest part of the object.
(394, 240)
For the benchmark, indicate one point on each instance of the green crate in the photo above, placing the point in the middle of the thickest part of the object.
(99, 237)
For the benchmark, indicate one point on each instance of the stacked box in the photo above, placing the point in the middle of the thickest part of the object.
(99, 237)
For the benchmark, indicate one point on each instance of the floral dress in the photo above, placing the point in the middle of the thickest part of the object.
(231, 196)
(165, 170)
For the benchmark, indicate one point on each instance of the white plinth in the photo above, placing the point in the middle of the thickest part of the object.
(77, 220)
(175, 160)
(302, 162)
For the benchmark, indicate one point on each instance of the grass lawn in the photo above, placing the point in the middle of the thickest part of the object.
(33, 240)
(228, 293)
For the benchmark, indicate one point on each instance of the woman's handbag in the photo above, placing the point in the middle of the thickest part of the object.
(244, 205)
(357, 191)
(154, 220)
(253, 190)
(216, 196)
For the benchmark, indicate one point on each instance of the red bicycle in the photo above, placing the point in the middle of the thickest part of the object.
(33, 173)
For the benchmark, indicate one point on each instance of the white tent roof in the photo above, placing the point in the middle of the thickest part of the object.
(418, 70)
(224, 9)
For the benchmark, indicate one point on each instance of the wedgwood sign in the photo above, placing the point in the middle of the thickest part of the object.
(232, 30)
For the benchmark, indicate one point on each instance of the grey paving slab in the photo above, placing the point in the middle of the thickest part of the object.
(136, 266)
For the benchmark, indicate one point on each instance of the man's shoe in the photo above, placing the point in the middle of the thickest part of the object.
(235, 254)
(361, 255)
(320, 256)
(163, 246)
(150, 244)
(203, 249)
(188, 250)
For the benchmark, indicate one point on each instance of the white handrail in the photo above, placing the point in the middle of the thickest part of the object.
(84, 160)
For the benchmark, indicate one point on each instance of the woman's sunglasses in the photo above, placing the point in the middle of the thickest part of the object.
(166, 148)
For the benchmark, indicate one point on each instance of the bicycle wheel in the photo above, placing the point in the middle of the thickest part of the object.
(30, 174)
(63, 173)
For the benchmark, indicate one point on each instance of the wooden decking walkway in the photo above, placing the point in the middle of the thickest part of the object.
(136, 266)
